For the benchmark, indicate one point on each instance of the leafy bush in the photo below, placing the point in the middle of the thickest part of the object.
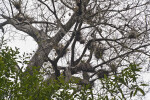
(18, 85)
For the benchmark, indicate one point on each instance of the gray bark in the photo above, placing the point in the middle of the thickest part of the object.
(45, 44)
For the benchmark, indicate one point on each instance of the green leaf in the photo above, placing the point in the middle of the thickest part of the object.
(144, 85)
(131, 94)
(121, 80)
(135, 92)
(139, 89)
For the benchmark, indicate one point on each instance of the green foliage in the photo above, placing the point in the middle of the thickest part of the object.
(118, 85)
(7, 71)
(18, 85)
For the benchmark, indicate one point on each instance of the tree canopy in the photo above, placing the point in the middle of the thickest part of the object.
(104, 40)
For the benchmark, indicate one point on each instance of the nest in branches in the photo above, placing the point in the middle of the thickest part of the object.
(91, 46)
(59, 49)
(84, 67)
(17, 4)
(99, 51)
(113, 68)
(79, 37)
(133, 34)
(19, 17)
(101, 73)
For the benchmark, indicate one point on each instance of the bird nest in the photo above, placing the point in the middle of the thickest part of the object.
(17, 4)
(85, 67)
(99, 52)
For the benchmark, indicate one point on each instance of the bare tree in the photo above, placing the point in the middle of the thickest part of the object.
(92, 37)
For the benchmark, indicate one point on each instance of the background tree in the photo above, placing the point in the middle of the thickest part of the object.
(96, 38)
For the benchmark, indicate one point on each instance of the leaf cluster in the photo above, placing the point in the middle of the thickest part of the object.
(124, 84)
(20, 85)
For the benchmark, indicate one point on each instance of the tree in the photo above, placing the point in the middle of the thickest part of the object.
(94, 37)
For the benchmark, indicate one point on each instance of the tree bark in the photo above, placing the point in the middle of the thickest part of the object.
(45, 44)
